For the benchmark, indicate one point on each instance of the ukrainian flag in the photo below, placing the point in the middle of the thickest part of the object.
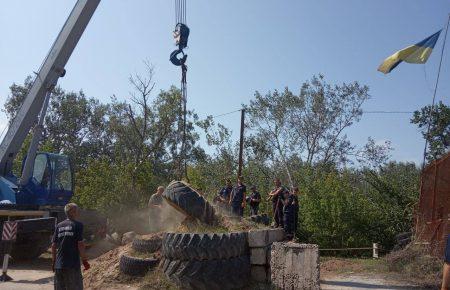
(418, 53)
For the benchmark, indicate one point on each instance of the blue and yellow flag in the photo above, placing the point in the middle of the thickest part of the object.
(418, 53)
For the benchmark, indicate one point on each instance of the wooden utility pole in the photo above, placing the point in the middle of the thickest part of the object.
(241, 143)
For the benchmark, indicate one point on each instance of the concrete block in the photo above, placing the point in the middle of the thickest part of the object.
(258, 256)
(295, 266)
(275, 235)
(258, 238)
(259, 273)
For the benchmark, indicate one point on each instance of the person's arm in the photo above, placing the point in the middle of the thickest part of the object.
(244, 201)
(82, 251)
(272, 194)
(446, 277)
(82, 247)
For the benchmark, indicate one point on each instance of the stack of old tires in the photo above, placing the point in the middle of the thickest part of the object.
(206, 261)
(135, 266)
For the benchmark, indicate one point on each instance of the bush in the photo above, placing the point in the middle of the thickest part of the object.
(336, 215)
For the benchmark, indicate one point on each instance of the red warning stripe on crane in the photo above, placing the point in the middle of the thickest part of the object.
(9, 231)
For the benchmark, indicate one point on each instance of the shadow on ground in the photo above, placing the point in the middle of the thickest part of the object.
(361, 285)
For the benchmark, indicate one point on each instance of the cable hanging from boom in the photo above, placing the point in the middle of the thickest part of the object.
(178, 58)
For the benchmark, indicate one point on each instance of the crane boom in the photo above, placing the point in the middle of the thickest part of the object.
(47, 76)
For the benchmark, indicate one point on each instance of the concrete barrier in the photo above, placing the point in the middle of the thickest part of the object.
(295, 266)
(258, 256)
(258, 238)
(260, 274)
(275, 235)
(263, 238)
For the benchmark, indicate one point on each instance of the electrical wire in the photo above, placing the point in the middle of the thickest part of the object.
(365, 112)
(388, 112)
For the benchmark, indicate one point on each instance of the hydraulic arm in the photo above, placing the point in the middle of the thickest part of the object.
(47, 76)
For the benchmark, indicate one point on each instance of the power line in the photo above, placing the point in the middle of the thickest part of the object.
(224, 114)
(388, 112)
(365, 112)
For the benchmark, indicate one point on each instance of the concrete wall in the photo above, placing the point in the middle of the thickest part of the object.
(260, 242)
(295, 266)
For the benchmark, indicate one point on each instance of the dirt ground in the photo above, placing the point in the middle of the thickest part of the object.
(346, 274)
(352, 274)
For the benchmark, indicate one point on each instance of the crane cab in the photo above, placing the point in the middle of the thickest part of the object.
(51, 183)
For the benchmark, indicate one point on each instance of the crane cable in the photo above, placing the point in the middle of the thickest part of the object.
(181, 35)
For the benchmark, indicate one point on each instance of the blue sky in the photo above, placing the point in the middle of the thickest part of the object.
(237, 47)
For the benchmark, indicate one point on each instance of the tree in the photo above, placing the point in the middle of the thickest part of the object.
(310, 127)
(74, 124)
(438, 135)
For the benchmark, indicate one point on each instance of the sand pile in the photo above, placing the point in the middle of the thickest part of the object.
(105, 272)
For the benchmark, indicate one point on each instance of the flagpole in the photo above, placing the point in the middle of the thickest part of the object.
(434, 94)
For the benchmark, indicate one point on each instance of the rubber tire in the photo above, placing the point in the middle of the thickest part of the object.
(147, 246)
(136, 266)
(190, 246)
(185, 199)
(225, 274)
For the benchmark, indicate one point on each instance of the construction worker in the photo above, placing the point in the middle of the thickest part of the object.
(446, 270)
(288, 214)
(155, 206)
(237, 199)
(67, 249)
(223, 197)
(276, 195)
(253, 200)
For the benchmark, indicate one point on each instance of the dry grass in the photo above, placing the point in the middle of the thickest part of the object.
(156, 280)
(414, 263)
(224, 224)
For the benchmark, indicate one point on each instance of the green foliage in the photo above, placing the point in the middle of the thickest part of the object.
(112, 187)
(123, 150)
(438, 121)
(333, 214)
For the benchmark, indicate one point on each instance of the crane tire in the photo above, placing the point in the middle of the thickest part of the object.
(185, 199)
(136, 266)
(192, 246)
(215, 274)
(146, 245)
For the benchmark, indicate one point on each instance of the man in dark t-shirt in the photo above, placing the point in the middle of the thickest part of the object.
(222, 199)
(67, 249)
(276, 195)
(237, 200)
(225, 192)
(254, 200)
(290, 211)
